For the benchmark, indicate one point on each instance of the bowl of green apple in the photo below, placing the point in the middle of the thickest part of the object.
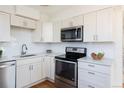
(97, 56)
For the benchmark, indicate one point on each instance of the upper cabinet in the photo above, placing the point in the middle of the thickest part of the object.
(74, 21)
(47, 32)
(105, 22)
(23, 22)
(90, 27)
(57, 31)
(4, 27)
(7, 8)
(27, 12)
(98, 26)
(77, 21)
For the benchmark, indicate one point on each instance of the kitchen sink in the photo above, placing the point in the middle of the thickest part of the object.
(28, 55)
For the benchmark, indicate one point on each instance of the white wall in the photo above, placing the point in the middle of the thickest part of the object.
(107, 48)
(76, 10)
(19, 37)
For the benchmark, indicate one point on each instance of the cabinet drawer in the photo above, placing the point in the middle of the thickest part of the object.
(94, 77)
(86, 84)
(27, 61)
(94, 67)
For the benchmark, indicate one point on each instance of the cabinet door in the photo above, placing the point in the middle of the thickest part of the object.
(67, 23)
(22, 76)
(37, 35)
(4, 27)
(89, 27)
(43, 68)
(47, 66)
(57, 31)
(22, 22)
(77, 21)
(52, 68)
(47, 32)
(104, 25)
(35, 72)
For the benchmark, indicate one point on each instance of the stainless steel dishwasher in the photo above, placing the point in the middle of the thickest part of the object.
(7, 74)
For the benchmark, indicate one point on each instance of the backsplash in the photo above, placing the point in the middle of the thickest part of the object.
(20, 36)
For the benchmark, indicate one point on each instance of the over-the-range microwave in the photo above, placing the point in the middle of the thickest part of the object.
(72, 34)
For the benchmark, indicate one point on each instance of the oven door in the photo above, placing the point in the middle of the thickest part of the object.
(66, 71)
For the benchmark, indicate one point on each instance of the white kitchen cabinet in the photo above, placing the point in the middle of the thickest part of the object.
(28, 71)
(90, 24)
(4, 27)
(49, 67)
(105, 21)
(98, 26)
(7, 8)
(36, 71)
(94, 74)
(27, 12)
(23, 22)
(22, 76)
(37, 34)
(57, 31)
(66, 23)
(77, 20)
(47, 32)
(73, 21)
(52, 69)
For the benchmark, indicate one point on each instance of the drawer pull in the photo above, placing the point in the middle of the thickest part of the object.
(91, 73)
(91, 65)
(91, 86)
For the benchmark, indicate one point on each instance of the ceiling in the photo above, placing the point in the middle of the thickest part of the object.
(51, 9)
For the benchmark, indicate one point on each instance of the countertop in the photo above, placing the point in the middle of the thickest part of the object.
(14, 58)
(38, 55)
(104, 61)
(6, 59)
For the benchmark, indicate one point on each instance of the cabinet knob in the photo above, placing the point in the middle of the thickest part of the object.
(25, 23)
(90, 86)
(91, 65)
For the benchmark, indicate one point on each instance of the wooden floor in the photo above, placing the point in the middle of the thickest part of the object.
(45, 84)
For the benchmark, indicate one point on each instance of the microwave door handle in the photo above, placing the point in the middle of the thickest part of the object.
(76, 32)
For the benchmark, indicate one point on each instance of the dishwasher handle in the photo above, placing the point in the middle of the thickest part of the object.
(7, 65)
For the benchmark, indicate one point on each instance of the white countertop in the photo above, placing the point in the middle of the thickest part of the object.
(104, 61)
(38, 55)
(14, 58)
(5, 59)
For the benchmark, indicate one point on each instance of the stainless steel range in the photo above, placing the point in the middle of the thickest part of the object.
(66, 67)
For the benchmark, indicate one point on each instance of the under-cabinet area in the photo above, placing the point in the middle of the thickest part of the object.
(61, 47)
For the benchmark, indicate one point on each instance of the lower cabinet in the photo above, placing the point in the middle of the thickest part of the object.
(49, 67)
(22, 76)
(93, 75)
(27, 72)
(31, 70)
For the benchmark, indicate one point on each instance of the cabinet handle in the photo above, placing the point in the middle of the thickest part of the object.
(91, 86)
(91, 73)
(24, 23)
(96, 37)
(91, 65)
(32, 67)
(93, 37)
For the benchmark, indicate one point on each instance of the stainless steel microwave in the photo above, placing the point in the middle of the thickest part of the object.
(72, 34)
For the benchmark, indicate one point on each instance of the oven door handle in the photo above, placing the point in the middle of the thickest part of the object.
(66, 61)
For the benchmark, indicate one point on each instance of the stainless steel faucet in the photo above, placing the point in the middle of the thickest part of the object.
(23, 52)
